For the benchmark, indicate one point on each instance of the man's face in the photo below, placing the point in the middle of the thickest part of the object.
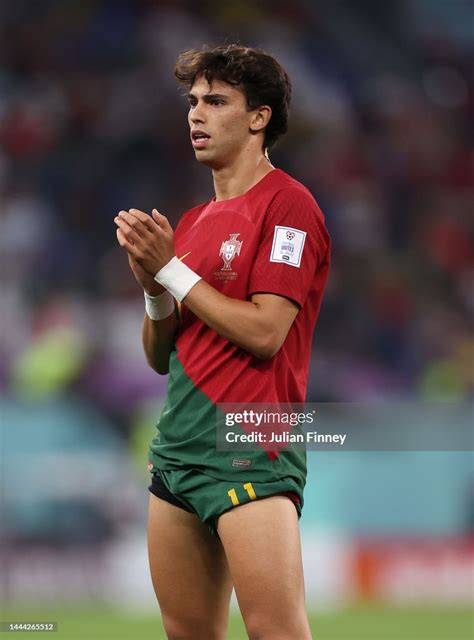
(218, 111)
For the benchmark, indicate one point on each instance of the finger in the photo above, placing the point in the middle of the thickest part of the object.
(141, 215)
(161, 220)
(128, 231)
(144, 218)
(122, 240)
(134, 222)
(125, 244)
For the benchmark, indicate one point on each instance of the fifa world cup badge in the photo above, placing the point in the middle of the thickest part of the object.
(229, 250)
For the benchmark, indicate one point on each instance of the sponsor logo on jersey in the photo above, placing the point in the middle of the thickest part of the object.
(288, 245)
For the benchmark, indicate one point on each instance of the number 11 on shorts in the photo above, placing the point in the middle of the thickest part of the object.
(248, 488)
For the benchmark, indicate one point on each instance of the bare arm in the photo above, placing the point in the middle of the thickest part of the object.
(158, 341)
(157, 335)
(259, 326)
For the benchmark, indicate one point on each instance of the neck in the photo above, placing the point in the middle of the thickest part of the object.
(237, 178)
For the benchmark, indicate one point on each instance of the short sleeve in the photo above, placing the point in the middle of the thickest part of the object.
(293, 243)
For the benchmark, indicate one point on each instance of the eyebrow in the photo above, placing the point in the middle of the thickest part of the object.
(209, 96)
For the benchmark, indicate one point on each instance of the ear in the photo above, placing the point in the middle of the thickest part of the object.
(260, 118)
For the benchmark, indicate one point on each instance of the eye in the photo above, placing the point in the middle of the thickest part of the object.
(217, 102)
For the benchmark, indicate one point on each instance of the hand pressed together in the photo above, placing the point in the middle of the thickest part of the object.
(148, 241)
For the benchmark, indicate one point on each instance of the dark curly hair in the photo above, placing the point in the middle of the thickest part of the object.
(262, 79)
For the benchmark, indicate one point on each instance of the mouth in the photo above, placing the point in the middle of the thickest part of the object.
(199, 139)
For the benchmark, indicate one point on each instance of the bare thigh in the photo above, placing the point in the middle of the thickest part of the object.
(189, 572)
(262, 544)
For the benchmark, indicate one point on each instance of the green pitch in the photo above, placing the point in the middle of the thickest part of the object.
(358, 623)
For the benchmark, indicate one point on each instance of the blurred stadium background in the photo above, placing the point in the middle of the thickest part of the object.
(92, 121)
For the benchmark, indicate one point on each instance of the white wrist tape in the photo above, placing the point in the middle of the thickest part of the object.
(159, 307)
(178, 278)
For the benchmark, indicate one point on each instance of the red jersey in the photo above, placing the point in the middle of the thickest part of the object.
(272, 239)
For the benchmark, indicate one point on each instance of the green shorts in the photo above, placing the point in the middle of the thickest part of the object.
(210, 497)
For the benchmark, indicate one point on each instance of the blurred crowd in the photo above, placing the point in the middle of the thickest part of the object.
(92, 121)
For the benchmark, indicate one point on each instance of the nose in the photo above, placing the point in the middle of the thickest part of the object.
(197, 114)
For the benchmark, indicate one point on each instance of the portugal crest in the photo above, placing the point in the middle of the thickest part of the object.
(229, 249)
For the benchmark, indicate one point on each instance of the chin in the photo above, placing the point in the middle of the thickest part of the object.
(206, 158)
